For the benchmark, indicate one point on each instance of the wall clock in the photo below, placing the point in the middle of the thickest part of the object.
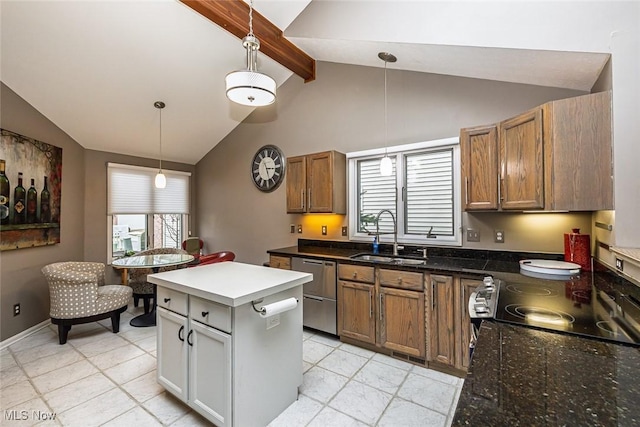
(267, 168)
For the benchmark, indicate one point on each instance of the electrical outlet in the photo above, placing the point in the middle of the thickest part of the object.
(619, 264)
(344, 231)
(299, 228)
(16, 309)
(324, 230)
(499, 236)
(473, 235)
(293, 228)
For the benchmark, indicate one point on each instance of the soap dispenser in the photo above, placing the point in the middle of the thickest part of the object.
(376, 248)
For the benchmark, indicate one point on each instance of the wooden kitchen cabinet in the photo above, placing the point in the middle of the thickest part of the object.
(283, 262)
(316, 183)
(479, 164)
(355, 311)
(440, 315)
(463, 290)
(553, 157)
(401, 317)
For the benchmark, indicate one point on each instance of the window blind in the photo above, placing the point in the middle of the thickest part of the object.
(131, 190)
(429, 193)
(376, 192)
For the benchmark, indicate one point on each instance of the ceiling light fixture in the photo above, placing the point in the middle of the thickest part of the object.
(250, 87)
(386, 167)
(161, 180)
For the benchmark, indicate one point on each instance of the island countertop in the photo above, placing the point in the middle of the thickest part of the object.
(230, 283)
(521, 376)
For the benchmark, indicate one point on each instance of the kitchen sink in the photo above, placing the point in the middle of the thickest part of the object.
(373, 258)
(388, 259)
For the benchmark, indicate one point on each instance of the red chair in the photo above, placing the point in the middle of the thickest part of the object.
(216, 257)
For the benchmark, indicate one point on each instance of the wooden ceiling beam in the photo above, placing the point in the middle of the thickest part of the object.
(233, 16)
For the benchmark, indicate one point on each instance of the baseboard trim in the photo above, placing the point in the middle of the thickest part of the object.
(14, 339)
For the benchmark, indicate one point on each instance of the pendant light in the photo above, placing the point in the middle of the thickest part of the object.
(250, 87)
(161, 180)
(386, 167)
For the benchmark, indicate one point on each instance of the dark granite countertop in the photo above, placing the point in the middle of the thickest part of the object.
(526, 377)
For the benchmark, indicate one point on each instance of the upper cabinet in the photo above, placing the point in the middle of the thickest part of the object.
(316, 183)
(554, 157)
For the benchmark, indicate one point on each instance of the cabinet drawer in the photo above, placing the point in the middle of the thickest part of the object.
(282, 262)
(356, 273)
(172, 300)
(210, 313)
(402, 279)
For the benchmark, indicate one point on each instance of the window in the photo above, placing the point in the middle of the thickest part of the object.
(141, 216)
(422, 193)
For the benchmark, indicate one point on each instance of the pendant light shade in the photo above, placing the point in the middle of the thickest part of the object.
(250, 87)
(386, 166)
(161, 180)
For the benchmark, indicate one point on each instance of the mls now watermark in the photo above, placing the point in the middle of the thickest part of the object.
(24, 415)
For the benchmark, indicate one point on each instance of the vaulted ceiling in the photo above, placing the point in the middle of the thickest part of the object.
(95, 68)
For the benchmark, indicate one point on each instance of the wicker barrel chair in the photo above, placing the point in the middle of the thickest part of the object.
(138, 277)
(79, 295)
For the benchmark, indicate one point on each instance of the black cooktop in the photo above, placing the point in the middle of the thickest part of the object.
(572, 306)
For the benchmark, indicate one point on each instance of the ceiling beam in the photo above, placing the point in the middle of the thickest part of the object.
(233, 16)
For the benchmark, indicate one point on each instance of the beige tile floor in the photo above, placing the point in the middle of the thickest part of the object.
(103, 379)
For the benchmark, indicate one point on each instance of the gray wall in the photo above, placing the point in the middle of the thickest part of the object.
(344, 110)
(83, 232)
(20, 278)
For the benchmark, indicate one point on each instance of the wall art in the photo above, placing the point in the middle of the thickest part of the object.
(30, 192)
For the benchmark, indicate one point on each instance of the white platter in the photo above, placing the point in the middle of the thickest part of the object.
(546, 266)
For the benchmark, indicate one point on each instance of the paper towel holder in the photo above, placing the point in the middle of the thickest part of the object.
(262, 309)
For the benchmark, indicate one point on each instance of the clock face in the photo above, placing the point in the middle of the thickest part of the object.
(267, 168)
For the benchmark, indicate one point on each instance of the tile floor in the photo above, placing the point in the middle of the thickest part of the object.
(103, 379)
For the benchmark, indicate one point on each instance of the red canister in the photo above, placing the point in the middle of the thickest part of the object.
(577, 249)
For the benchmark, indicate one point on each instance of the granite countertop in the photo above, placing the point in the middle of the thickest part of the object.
(526, 377)
(230, 283)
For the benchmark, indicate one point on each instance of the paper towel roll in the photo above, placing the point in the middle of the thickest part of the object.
(278, 307)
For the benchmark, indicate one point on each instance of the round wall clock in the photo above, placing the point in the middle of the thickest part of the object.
(267, 168)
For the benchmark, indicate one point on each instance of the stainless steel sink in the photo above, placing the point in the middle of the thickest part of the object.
(373, 258)
(388, 260)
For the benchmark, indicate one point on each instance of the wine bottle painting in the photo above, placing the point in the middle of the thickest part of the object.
(30, 192)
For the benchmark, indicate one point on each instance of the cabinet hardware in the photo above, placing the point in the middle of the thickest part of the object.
(433, 294)
(466, 190)
(400, 280)
(205, 313)
(500, 198)
(302, 198)
(380, 306)
(309, 195)
(166, 300)
(355, 274)
(189, 336)
(181, 333)
(370, 304)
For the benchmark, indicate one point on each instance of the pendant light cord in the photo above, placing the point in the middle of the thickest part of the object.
(385, 109)
(251, 18)
(160, 140)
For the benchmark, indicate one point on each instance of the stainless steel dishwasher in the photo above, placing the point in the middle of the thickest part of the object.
(319, 296)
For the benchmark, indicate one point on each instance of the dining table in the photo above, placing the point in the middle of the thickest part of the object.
(153, 262)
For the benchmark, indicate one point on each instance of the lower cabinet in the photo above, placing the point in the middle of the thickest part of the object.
(401, 317)
(355, 311)
(463, 327)
(194, 363)
(441, 317)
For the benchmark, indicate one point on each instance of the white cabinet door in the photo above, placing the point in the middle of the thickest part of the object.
(210, 373)
(172, 352)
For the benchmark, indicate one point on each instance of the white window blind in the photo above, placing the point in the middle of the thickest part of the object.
(376, 192)
(131, 190)
(429, 193)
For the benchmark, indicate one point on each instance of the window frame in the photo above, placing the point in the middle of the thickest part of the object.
(149, 216)
(399, 152)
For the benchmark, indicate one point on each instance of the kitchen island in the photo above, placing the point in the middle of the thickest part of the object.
(218, 352)
(521, 376)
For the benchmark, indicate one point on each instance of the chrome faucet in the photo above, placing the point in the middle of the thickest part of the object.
(395, 230)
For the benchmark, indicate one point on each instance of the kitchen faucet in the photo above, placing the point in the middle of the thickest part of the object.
(395, 230)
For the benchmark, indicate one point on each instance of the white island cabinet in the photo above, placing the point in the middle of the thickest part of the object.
(217, 353)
